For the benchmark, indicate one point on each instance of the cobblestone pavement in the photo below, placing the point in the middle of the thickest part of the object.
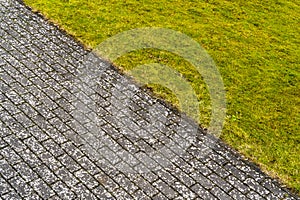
(43, 155)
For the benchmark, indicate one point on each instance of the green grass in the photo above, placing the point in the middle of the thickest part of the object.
(255, 45)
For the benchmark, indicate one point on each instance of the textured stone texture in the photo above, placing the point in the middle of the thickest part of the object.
(44, 156)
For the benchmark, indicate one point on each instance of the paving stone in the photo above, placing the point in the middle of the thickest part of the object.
(25, 121)
(108, 183)
(12, 196)
(86, 179)
(40, 121)
(34, 145)
(197, 165)
(219, 193)
(25, 171)
(148, 188)
(275, 190)
(254, 195)
(10, 108)
(4, 187)
(5, 132)
(166, 176)
(6, 170)
(46, 174)
(23, 134)
(271, 196)
(256, 187)
(68, 178)
(220, 181)
(10, 155)
(69, 162)
(184, 177)
(53, 147)
(165, 189)
(125, 183)
(102, 193)
(71, 149)
(204, 181)
(183, 165)
(39, 136)
(159, 197)
(42, 189)
(184, 190)
(217, 168)
(2, 143)
(63, 191)
(55, 197)
(202, 192)
(235, 194)
(238, 184)
(30, 158)
(235, 171)
(122, 194)
(50, 161)
(88, 165)
(57, 136)
(83, 192)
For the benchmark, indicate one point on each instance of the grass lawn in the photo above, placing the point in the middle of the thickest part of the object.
(255, 45)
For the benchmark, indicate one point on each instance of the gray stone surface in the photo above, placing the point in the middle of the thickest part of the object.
(43, 155)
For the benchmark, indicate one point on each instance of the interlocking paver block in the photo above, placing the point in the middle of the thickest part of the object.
(69, 162)
(46, 174)
(254, 195)
(6, 170)
(50, 161)
(86, 179)
(4, 186)
(46, 152)
(83, 192)
(220, 193)
(202, 192)
(63, 191)
(15, 143)
(219, 181)
(25, 171)
(42, 188)
(235, 194)
(10, 155)
(238, 184)
(12, 195)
